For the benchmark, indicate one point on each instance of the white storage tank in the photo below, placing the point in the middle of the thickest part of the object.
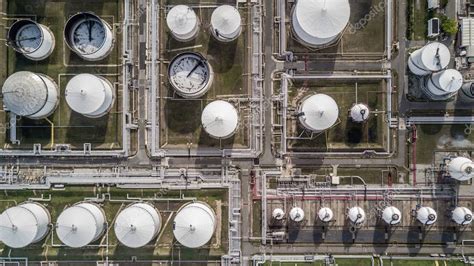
(35, 41)
(426, 215)
(461, 168)
(194, 225)
(466, 93)
(443, 85)
(89, 36)
(226, 23)
(318, 112)
(278, 214)
(433, 57)
(356, 215)
(31, 95)
(392, 215)
(360, 113)
(296, 214)
(183, 23)
(90, 95)
(462, 216)
(81, 224)
(220, 119)
(137, 225)
(24, 224)
(190, 74)
(319, 23)
(325, 214)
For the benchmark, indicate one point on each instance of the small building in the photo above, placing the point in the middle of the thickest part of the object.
(433, 4)
(467, 38)
(433, 27)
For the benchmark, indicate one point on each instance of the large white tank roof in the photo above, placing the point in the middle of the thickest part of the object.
(296, 214)
(33, 40)
(391, 215)
(194, 225)
(318, 112)
(226, 23)
(319, 22)
(444, 84)
(432, 57)
(183, 22)
(220, 119)
(356, 215)
(325, 214)
(89, 95)
(462, 215)
(81, 224)
(461, 168)
(426, 215)
(23, 224)
(137, 225)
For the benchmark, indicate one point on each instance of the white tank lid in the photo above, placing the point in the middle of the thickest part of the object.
(18, 227)
(220, 119)
(137, 225)
(317, 20)
(450, 80)
(278, 214)
(360, 112)
(435, 56)
(226, 20)
(194, 225)
(182, 19)
(356, 215)
(319, 112)
(461, 168)
(391, 215)
(296, 214)
(462, 216)
(86, 94)
(24, 93)
(325, 214)
(426, 215)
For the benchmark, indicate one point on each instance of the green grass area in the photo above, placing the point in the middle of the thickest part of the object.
(442, 138)
(69, 127)
(164, 248)
(345, 135)
(417, 16)
(367, 22)
(181, 118)
(424, 263)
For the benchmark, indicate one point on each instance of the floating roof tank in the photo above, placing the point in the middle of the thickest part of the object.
(360, 113)
(319, 23)
(432, 57)
(278, 214)
(183, 23)
(137, 225)
(89, 36)
(226, 23)
(80, 225)
(190, 74)
(443, 85)
(426, 215)
(194, 225)
(220, 119)
(391, 215)
(462, 215)
(35, 41)
(461, 168)
(318, 112)
(296, 214)
(356, 215)
(466, 94)
(325, 214)
(29, 94)
(90, 95)
(24, 224)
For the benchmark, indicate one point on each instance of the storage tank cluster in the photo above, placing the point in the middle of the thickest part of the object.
(36, 96)
(430, 63)
(85, 222)
(184, 24)
(320, 23)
